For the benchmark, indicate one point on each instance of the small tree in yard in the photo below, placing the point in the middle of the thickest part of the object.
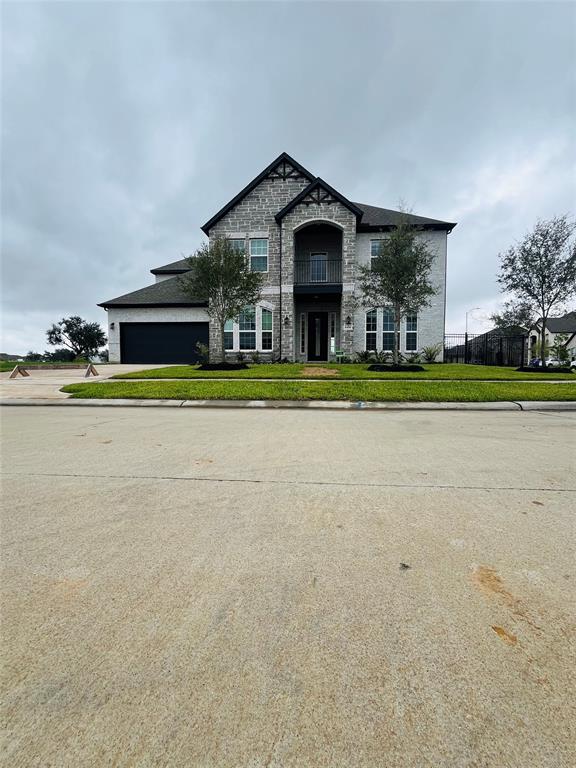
(540, 271)
(399, 277)
(221, 274)
(84, 339)
(559, 349)
(513, 317)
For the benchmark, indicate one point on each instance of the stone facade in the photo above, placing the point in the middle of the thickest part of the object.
(254, 217)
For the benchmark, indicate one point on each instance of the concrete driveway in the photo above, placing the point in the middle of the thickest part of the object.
(260, 588)
(45, 384)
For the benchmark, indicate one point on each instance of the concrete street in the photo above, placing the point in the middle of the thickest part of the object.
(230, 588)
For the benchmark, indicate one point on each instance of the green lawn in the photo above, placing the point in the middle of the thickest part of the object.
(343, 372)
(436, 391)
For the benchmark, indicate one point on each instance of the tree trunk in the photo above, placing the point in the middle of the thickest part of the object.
(395, 349)
(543, 343)
(222, 343)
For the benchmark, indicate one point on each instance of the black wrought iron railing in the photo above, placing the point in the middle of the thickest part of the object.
(317, 271)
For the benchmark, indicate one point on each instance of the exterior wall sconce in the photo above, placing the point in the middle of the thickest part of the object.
(286, 321)
(111, 326)
(348, 320)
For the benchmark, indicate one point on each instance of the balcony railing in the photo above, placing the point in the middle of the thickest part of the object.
(308, 272)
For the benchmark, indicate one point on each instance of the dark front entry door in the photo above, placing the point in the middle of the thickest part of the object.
(318, 336)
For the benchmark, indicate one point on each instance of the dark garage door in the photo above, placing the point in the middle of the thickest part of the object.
(161, 342)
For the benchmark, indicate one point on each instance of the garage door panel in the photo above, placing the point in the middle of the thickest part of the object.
(161, 342)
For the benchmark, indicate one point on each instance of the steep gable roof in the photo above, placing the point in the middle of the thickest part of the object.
(318, 191)
(564, 324)
(167, 293)
(283, 166)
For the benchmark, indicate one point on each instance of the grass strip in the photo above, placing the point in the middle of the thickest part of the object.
(354, 372)
(458, 391)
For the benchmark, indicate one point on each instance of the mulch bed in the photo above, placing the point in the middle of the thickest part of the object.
(222, 367)
(395, 368)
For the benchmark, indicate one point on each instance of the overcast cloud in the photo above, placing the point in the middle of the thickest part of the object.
(126, 126)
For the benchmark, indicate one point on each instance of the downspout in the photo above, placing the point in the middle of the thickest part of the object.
(281, 319)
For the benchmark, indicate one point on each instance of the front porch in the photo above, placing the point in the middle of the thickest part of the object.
(317, 330)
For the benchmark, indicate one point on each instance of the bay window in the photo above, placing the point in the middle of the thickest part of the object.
(387, 330)
(371, 319)
(247, 328)
(411, 333)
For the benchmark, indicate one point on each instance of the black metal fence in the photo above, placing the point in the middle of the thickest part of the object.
(485, 349)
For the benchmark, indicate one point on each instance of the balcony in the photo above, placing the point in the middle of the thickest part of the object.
(318, 272)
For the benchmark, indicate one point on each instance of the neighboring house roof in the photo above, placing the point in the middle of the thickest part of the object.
(564, 324)
(284, 157)
(314, 192)
(376, 218)
(167, 293)
(174, 268)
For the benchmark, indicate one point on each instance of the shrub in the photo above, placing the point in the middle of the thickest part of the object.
(203, 352)
(413, 358)
(240, 357)
(33, 357)
(382, 357)
(255, 356)
(431, 353)
(366, 356)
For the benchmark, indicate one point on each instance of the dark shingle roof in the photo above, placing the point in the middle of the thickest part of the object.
(167, 293)
(174, 268)
(375, 217)
(564, 324)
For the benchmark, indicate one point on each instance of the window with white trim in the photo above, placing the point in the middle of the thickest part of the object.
(238, 244)
(229, 334)
(247, 328)
(303, 333)
(266, 329)
(259, 254)
(387, 329)
(371, 320)
(411, 333)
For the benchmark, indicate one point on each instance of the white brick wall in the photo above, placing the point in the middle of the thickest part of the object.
(148, 315)
(430, 319)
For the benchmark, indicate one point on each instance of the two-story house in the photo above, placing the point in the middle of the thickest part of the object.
(307, 239)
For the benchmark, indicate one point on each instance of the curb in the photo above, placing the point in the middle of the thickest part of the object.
(335, 405)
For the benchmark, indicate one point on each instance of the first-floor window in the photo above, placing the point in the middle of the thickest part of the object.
(387, 330)
(229, 334)
(371, 330)
(411, 333)
(266, 329)
(302, 334)
(247, 328)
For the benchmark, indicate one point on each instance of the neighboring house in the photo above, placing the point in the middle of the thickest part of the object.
(307, 239)
(565, 325)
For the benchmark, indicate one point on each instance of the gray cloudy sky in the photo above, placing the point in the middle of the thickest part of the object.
(127, 125)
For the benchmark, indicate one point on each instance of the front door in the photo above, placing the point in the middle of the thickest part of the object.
(317, 336)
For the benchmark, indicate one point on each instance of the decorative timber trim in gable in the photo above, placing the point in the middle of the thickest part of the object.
(275, 170)
(286, 170)
(317, 193)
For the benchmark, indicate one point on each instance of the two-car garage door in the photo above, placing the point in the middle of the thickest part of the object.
(161, 342)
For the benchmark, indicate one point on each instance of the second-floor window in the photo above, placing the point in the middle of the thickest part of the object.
(239, 245)
(375, 251)
(259, 254)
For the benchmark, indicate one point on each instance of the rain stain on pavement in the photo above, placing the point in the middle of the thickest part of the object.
(405, 566)
(507, 637)
(538, 503)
